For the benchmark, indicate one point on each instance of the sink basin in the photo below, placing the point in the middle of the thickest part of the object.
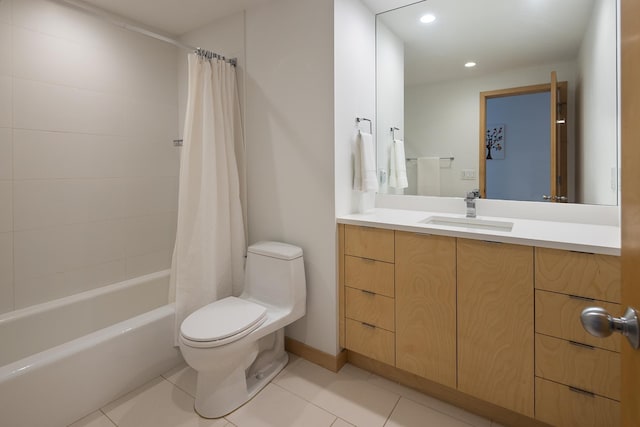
(476, 223)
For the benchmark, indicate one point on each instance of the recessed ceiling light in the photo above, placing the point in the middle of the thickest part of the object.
(470, 64)
(428, 18)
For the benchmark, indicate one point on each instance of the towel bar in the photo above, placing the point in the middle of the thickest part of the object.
(441, 158)
(362, 119)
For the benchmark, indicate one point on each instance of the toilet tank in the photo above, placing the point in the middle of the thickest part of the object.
(274, 275)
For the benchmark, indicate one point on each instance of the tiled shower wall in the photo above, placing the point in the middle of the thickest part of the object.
(88, 172)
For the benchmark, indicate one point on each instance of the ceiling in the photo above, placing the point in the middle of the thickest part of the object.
(174, 17)
(496, 34)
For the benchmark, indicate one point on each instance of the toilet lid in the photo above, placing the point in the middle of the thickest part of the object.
(223, 319)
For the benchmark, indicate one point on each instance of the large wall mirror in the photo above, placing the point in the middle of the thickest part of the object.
(518, 98)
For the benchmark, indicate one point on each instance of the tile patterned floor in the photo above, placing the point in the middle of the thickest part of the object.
(303, 394)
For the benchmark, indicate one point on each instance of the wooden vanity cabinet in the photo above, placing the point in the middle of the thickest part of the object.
(426, 306)
(460, 313)
(577, 375)
(369, 292)
(495, 323)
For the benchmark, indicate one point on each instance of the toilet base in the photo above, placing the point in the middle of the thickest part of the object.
(216, 398)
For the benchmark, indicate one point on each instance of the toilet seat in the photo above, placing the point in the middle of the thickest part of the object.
(222, 322)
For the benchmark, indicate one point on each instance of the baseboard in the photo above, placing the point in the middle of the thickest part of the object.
(446, 394)
(313, 355)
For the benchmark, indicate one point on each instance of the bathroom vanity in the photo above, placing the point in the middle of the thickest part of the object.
(484, 313)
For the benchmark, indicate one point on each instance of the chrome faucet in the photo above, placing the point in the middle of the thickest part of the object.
(470, 200)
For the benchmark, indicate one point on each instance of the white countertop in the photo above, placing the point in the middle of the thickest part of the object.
(600, 239)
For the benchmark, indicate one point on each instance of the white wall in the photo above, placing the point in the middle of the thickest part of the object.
(443, 119)
(354, 92)
(390, 97)
(88, 172)
(597, 95)
(290, 145)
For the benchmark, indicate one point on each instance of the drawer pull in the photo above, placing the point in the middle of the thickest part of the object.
(368, 325)
(581, 391)
(368, 260)
(368, 292)
(581, 298)
(581, 345)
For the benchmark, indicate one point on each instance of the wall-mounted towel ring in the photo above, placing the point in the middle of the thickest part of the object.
(362, 119)
(393, 132)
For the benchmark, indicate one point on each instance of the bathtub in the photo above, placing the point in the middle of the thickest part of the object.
(64, 359)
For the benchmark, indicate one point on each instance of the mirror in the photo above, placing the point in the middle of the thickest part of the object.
(424, 90)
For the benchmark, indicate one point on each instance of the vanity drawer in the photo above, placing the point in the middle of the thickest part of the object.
(369, 275)
(575, 273)
(368, 242)
(558, 405)
(370, 308)
(558, 315)
(371, 341)
(587, 368)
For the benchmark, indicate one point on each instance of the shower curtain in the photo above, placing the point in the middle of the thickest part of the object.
(208, 258)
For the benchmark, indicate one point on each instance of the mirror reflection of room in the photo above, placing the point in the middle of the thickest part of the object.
(442, 83)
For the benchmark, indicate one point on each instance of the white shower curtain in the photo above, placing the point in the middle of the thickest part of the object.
(208, 258)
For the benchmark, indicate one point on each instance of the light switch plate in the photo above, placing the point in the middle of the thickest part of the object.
(468, 174)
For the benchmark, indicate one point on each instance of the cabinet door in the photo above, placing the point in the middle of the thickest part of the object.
(426, 306)
(495, 323)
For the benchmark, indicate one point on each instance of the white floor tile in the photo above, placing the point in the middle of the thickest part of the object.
(339, 422)
(433, 403)
(184, 377)
(277, 407)
(157, 404)
(411, 414)
(346, 394)
(95, 419)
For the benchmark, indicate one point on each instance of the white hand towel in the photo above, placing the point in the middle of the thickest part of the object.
(428, 176)
(398, 166)
(365, 177)
(393, 182)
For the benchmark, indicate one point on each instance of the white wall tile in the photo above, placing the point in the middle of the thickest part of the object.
(62, 21)
(118, 69)
(35, 290)
(5, 48)
(6, 207)
(39, 203)
(6, 154)
(6, 97)
(54, 155)
(44, 106)
(87, 166)
(6, 272)
(152, 157)
(145, 119)
(149, 196)
(5, 11)
(61, 61)
(148, 263)
(43, 252)
(150, 234)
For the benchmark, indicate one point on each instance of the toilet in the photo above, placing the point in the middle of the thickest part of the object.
(236, 344)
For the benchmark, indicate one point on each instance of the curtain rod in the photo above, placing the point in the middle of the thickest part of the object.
(112, 19)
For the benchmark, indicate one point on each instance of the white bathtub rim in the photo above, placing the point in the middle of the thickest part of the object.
(59, 352)
(21, 313)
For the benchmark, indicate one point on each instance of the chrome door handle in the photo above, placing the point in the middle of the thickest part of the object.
(598, 322)
(562, 198)
(545, 197)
